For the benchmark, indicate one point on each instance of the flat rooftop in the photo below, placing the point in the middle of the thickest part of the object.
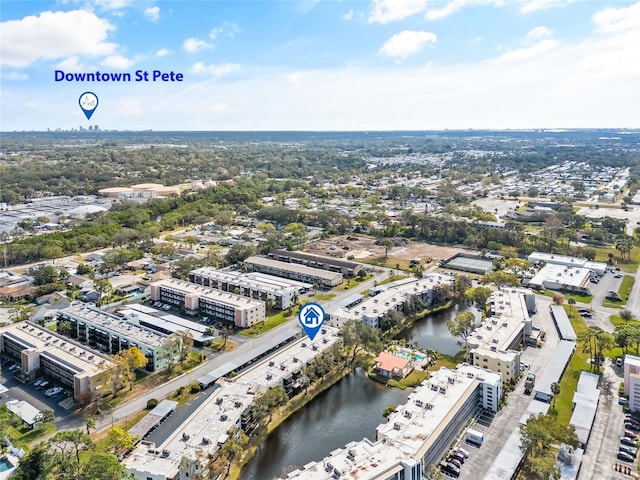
(576, 277)
(76, 356)
(218, 296)
(169, 323)
(311, 257)
(557, 363)
(563, 323)
(292, 267)
(210, 423)
(116, 324)
(278, 281)
(241, 279)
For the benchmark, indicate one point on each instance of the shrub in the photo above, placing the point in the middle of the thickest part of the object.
(152, 403)
(195, 388)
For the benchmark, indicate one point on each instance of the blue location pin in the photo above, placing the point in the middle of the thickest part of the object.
(311, 317)
(88, 103)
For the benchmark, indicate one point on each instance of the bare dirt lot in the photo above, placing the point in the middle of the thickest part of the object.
(363, 248)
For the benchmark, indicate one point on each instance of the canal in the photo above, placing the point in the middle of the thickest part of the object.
(348, 411)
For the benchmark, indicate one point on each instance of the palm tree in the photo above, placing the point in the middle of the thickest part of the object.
(571, 301)
(269, 305)
(90, 423)
(555, 389)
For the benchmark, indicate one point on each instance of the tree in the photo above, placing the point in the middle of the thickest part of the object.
(185, 338)
(46, 415)
(225, 331)
(90, 423)
(265, 404)
(43, 274)
(102, 466)
(104, 289)
(462, 325)
(239, 253)
(180, 268)
(134, 359)
(555, 389)
(232, 450)
(361, 337)
(64, 327)
(120, 440)
(387, 243)
(558, 298)
(35, 465)
(501, 279)
(626, 315)
(538, 436)
(269, 305)
(389, 409)
(461, 284)
(65, 448)
(571, 301)
(479, 296)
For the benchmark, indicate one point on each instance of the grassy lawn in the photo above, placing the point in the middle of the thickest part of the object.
(218, 342)
(22, 436)
(618, 321)
(392, 278)
(271, 322)
(577, 297)
(569, 381)
(602, 255)
(449, 361)
(415, 378)
(322, 296)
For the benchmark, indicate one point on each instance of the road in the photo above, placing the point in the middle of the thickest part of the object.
(633, 303)
(135, 405)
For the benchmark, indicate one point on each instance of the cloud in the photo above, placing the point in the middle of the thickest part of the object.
(216, 71)
(454, 5)
(53, 35)
(113, 4)
(72, 64)
(117, 62)
(615, 20)
(348, 15)
(539, 32)
(528, 53)
(407, 43)
(228, 28)
(163, 52)
(193, 45)
(153, 13)
(14, 76)
(528, 6)
(298, 77)
(386, 11)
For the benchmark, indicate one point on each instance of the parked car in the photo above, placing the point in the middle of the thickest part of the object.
(628, 441)
(457, 456)
(630, 450)
(622, 401)
(618, 275)
(625, 457)
(52, 392)
(586, 314)
(630, 434)
(455, 461)
(43, 384)
(632, 426)
(631, 419)
(462, 452)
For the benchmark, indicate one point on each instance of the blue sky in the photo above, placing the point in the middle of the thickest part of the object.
(324, 65)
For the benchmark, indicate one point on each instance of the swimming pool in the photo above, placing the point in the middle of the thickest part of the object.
(5, 465)
(405, 354)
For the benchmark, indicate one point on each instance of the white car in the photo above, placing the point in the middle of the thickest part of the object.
(53, 391)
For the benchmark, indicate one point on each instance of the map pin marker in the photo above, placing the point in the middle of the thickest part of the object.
(88, 103)
(311, 317)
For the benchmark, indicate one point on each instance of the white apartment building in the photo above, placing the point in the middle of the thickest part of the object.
(219, 305)
(632, 381)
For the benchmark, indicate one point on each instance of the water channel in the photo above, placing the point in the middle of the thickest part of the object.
(348, 411)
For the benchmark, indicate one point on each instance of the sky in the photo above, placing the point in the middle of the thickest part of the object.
(323, 64)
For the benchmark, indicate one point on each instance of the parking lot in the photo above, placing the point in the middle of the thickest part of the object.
(64, 418)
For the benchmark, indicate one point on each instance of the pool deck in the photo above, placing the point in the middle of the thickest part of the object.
(14, 461)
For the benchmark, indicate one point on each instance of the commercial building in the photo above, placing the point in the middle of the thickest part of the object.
(496, 344)
(294, 271)
(345, 267)
(39, 351)
(181, 455)
(417, 433)
(110, 334)
(553, 259)
(553, 373)
(632, 381)
(219, 305)
(283, 296)
(561, 277)
(370, 310)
